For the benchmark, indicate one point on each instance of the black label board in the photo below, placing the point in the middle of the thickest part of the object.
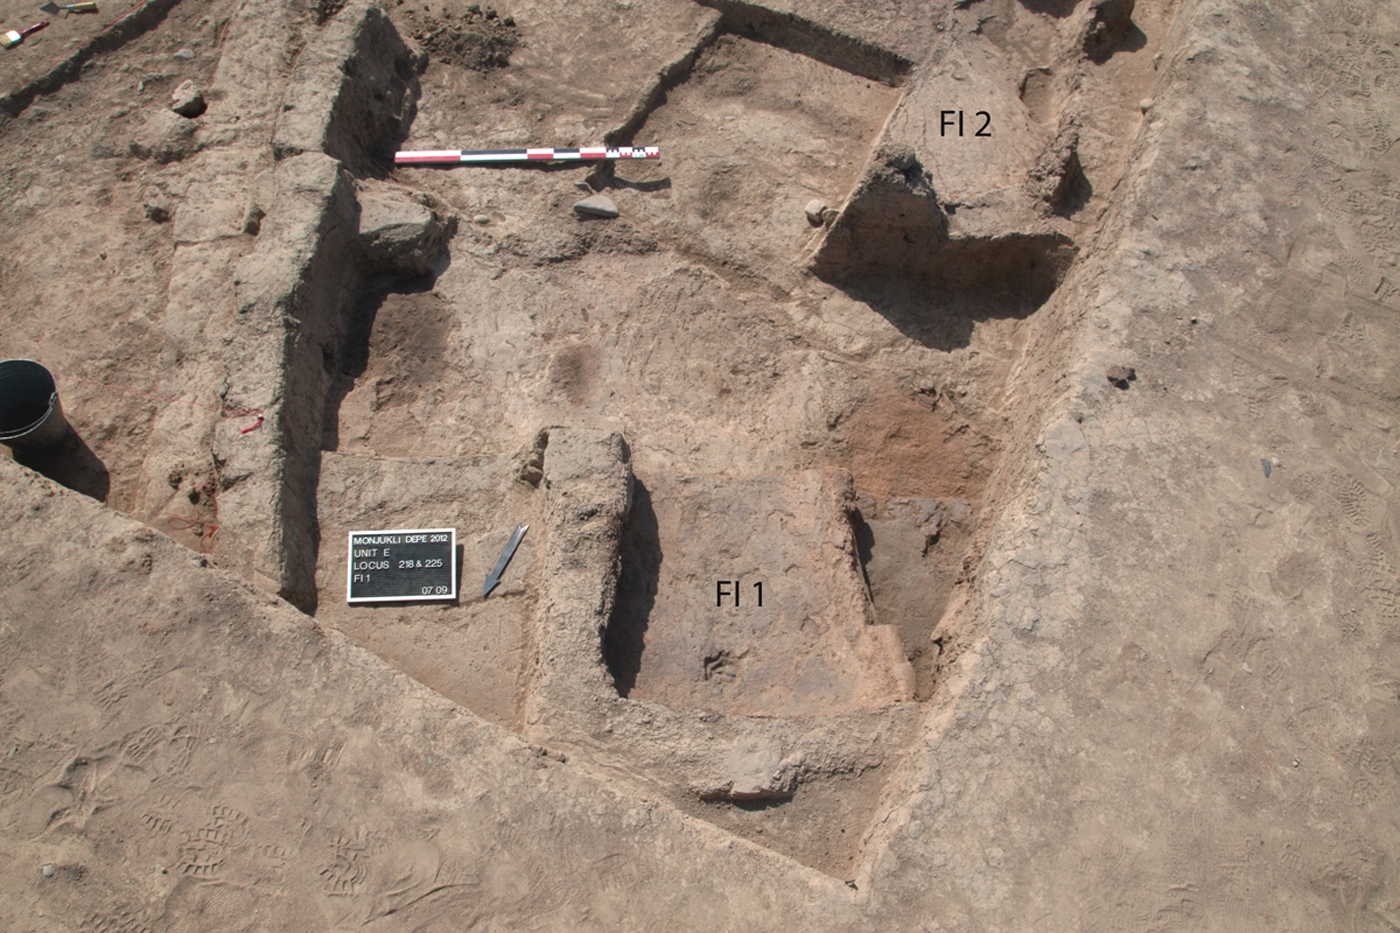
(404, 564)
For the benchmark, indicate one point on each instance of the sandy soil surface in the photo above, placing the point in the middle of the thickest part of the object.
(1033, 359)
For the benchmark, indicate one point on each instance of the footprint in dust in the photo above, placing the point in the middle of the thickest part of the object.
(205, 850)
(43, 807)
(271, 863)
(115, 918)
(231, 825)
(407, 872)
(202, 855)
(1292, 576)
(349, 865)
(11, 783)
(140, 746)
(163, 748)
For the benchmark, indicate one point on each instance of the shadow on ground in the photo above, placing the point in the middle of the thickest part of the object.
(70, 463)
(938, 316)
(625, 637)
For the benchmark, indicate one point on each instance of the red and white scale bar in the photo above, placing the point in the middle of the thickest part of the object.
(450, 156)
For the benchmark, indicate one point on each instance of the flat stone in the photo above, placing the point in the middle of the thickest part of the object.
(482, 219)
(401, 235)
(164, 137)
(758, 772)
(600, 205)
(187, 100)
(753, 770)
(184, 55)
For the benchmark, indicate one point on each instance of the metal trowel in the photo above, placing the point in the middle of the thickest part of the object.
(52, 8)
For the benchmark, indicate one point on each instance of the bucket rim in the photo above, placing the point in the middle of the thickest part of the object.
(25, 359)
(18, 433)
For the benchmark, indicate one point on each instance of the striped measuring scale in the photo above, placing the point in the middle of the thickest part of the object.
(485, 156)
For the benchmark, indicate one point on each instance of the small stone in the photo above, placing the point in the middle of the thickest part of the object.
(185, 55)
(1120, 376)
(1109, 22)
(1145, 104)
(48, 870)
(583, 186)
(814, 211)
(187, 100)
(600, 205)
(829, 216)
(156, 205)
(261, 194)
(482, 219)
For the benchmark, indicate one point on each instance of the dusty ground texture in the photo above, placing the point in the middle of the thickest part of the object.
(1041, 646)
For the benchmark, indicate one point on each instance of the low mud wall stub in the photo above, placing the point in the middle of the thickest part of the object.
(351, 97)
(353, 92)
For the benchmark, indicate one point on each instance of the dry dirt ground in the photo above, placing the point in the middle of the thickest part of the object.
(1041, 646)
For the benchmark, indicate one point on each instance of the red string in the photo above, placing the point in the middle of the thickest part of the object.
(114, 22)
(204, 529)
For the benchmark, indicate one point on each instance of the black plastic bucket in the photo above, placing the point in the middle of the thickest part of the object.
(30, 414)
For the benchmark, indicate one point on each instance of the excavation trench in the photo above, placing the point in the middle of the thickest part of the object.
(716, 413)
(805, 475)
(802, 36)
(779, 722)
